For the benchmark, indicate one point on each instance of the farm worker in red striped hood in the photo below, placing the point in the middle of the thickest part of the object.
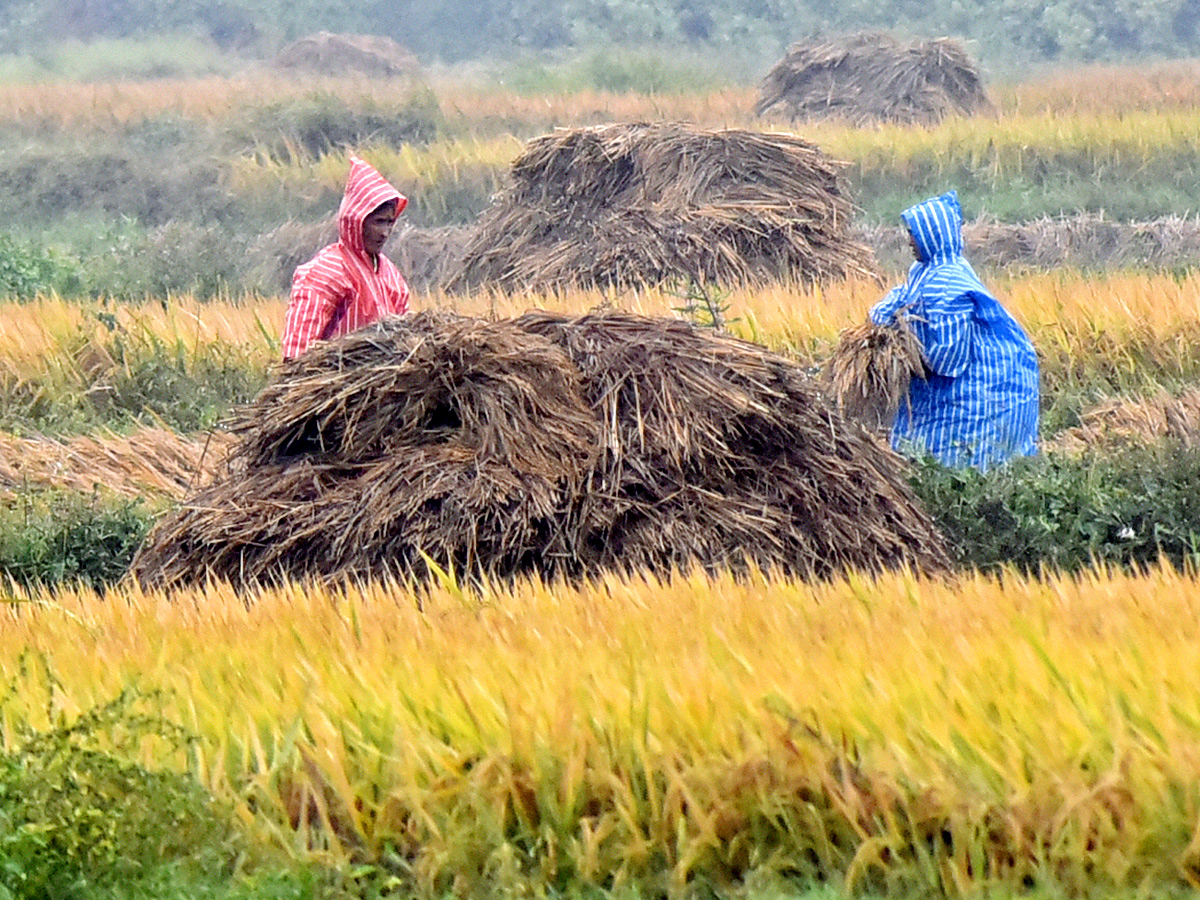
(351, 283)
(978, 402)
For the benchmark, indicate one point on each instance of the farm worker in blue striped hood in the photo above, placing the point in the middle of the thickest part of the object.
(978, 402)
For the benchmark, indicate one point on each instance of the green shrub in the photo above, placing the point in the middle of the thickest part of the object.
(1126, 510)
(49, 537)
(27, 271)
(189, 390)
(114, 175)
(177, 258)
(76, 814)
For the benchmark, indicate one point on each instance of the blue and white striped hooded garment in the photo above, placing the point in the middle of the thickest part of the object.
(978, 405)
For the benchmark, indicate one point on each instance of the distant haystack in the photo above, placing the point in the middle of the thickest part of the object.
(1082, 241)
(631, 205)
(869, 77)
(427, 257)
(544, 446)
(326, 53)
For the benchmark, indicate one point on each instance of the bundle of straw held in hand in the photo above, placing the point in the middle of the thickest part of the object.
(870, 369)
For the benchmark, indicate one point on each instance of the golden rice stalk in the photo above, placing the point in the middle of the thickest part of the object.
(870, 369)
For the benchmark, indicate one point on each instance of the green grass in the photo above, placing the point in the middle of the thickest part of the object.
(49, 537)
(105, 59)
(618, 71)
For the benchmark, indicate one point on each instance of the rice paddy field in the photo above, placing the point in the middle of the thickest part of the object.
(1002, 733)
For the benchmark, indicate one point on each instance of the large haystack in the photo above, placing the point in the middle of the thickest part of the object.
(545, 445)
(870, 77)
(650, 204)
(326, 53)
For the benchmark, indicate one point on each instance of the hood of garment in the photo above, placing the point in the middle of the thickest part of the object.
(366, 190)
(936, 226)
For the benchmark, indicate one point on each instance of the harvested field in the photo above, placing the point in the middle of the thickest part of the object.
(871, 77)
(633, 205)
(152, 460)
(1089, 241)
(1118, 424)
(548, 446)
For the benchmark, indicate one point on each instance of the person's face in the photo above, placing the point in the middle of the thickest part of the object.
(377, 228)
(912, 242)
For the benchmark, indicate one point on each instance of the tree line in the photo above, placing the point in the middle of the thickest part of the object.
(453, 30)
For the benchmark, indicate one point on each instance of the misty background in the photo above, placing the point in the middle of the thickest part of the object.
(742, 35)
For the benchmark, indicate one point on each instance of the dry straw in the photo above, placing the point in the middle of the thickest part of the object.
(547, 446)
(1118, 424)
(869, 371)
(650, 204)
(869, 77)
(154, 460)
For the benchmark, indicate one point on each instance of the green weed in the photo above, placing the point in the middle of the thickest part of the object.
(51, 537)
(77, 814)
(1063, 513)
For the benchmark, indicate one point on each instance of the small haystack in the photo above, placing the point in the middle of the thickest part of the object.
(869, 372)
(326, 53)
(630, 205)
(869, 77)
(547, 446)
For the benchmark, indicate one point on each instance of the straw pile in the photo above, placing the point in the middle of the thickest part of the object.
(869, 77)
(428, 257)
(1118, 424)
(547, 446)
(340, 54)
(869, 371)
(150, 461)
(1085, 241)
(629, 205)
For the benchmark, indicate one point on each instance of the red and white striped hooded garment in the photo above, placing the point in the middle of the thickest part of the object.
(342, 288)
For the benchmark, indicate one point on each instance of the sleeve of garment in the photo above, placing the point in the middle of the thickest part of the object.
(944, 327)
(310, 310)
(884, 312)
